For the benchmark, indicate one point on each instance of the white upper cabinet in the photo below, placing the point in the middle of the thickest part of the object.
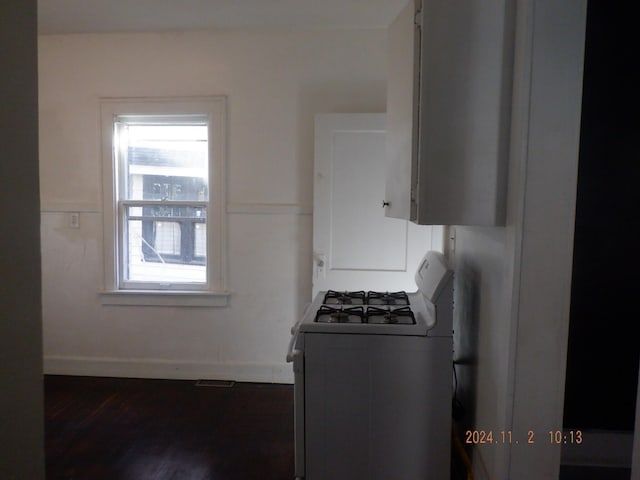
(448, 111)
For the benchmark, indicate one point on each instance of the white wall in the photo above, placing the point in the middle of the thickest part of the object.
(276, 81)
(21, 411)
(513, 283)
(483, 261)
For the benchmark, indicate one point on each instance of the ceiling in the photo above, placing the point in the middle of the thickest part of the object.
(102, 16)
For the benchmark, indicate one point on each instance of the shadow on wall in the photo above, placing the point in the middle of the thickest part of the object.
(465, 345)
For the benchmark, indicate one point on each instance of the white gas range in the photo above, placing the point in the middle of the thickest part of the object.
(373, 381)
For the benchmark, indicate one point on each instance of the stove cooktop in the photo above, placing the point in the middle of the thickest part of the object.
(387, 313)
(368, 312)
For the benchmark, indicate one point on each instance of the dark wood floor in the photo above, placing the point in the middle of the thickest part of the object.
(129, 429)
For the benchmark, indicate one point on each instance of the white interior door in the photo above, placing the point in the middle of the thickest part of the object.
(355, 246)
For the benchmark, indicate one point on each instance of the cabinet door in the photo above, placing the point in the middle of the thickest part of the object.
(355, 246)
(402, 110)
(449, 104)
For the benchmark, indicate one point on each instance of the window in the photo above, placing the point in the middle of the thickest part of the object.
(164, 195)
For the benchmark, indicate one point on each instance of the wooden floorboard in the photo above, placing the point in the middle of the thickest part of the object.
(132, 429)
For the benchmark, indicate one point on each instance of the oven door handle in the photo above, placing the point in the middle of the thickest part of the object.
(293, 352)
(297, 357)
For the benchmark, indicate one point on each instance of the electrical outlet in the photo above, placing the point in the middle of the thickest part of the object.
(452, 239)
(74, 220)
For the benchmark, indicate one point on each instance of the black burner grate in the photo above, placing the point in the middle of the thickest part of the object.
(387, 298)
(333, 297)
(402, 315)
(327, 314)
(386, 315)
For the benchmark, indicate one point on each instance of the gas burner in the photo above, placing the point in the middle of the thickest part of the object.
(344, 298)
(387, 298)
(402, 315)
(328, 314)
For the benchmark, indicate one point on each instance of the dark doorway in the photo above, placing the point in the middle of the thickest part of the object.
(602, 363)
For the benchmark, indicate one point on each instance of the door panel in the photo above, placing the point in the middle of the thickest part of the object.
(355, 245)
(358, 232)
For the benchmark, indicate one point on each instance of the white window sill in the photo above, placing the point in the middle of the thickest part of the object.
(165, 298)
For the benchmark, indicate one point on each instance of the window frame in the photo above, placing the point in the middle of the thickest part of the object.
(214, 108)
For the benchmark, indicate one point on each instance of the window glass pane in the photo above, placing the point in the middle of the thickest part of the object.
(165, 244)
(167, 238)
(165, 162)
(201, 240)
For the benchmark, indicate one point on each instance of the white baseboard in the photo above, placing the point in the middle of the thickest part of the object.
(174, 370)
